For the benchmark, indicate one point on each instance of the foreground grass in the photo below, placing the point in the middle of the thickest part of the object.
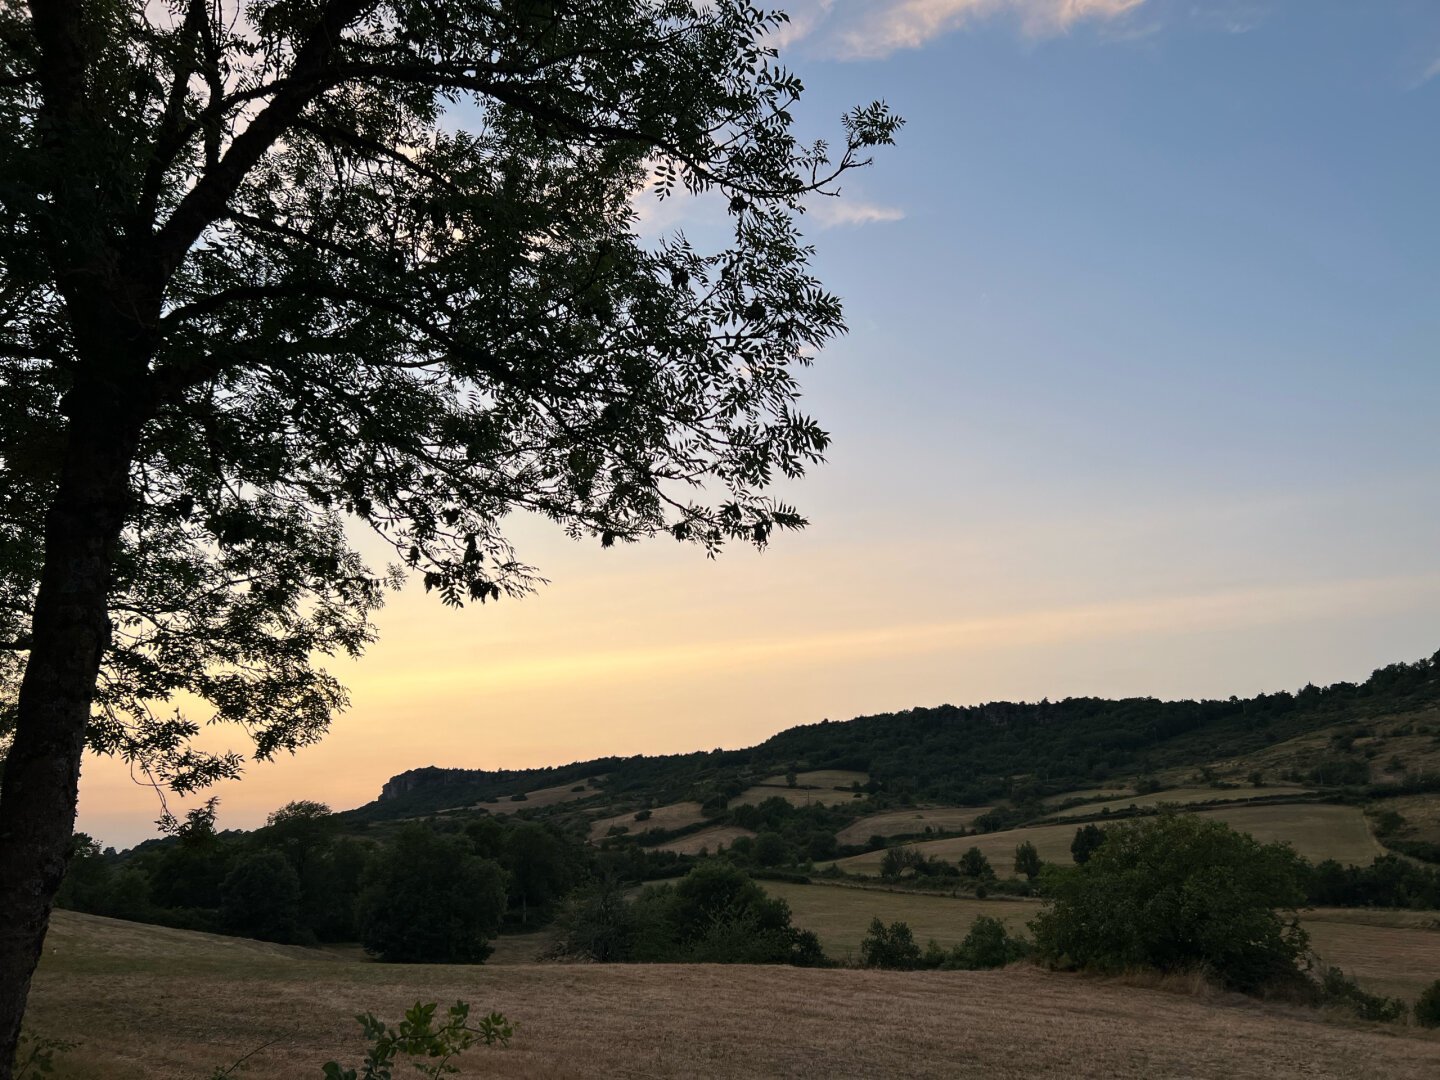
(165, 1004)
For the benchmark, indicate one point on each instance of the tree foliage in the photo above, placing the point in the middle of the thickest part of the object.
(1178, 892)
(384, 261)
(427, 899)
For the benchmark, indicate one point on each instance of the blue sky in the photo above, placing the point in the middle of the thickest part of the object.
(1140, 398)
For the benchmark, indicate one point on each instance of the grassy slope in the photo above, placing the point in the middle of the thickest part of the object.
(1317, 831)
(909, 820)
(167, 1005)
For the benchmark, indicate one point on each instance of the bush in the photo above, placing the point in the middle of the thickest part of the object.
(1177, 892)
(890, 946)
(427, 899)
(714, 915)
(418, 1035)
(988, 945)
(1337, 988)
(1427, 1007)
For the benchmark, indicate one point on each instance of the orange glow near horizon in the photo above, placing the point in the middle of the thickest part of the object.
(657, 650)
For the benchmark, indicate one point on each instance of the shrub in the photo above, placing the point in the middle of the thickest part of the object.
(419, 1036)
(1337, 988)
(1177, 892)
(890, 946)
(427, 899)
(1427, 1007)
(716, 915)
(988, 945)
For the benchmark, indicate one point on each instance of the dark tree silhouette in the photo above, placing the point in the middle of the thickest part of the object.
(252, 289)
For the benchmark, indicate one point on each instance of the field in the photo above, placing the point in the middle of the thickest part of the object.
(549, 796)
(903, 822)
(816, 786)
(1317, 832)
(169, 1005)
(710, 839)
(674, 816)
(840, 914)
(1182, 797)
(1389, 952)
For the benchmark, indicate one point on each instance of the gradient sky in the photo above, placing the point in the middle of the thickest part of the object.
(1140, 397)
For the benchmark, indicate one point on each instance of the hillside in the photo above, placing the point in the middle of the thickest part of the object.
(975, 755)
(168, 1004)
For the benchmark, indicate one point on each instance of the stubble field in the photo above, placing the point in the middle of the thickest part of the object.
(164, 1004)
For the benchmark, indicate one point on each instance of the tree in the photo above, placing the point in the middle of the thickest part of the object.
(1087, 839)
(1178, 892)
(428, 900)
(260, 898)
(1027, 860)
(890, 946)
(228, 232)
(974, 864)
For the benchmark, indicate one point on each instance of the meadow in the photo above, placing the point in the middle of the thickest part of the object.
(675, 816)
(1317, 831)
(1180, 797)
(910, 820)
(171, 1005)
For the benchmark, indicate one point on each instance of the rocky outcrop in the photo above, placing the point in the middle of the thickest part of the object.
(406, 782)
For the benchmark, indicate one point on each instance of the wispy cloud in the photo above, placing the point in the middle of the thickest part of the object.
(1429, 73)
(837, 213)
(878, 28)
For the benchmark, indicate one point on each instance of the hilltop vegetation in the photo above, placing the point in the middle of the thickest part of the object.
(973, 756)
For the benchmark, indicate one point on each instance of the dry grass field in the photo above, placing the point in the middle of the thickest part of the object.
(839, 915)
(1317, 831)
(1388, 952)
(166, 1005)
(1385, 958)
(821, 778)
(818, 786)
(910, 820)
(549, 796)
(710, 840)
(1182, 797)
(674, 816)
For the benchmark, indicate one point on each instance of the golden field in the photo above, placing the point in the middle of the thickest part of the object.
(1317, 831)
(171, 1005)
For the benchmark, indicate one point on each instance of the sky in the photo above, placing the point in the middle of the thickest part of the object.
(1139, 398)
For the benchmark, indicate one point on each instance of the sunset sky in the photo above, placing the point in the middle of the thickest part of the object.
(1140, 397)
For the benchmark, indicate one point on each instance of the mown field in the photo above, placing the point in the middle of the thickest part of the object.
(1181, 797)
(709, 840)
(164, 1004)
(674, 816)
(1390, 952)
(910, 820)
(1317, 831)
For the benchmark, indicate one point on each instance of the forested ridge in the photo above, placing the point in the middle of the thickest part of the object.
(960, 754)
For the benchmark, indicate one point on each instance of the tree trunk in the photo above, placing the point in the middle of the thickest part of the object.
(70, 632)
